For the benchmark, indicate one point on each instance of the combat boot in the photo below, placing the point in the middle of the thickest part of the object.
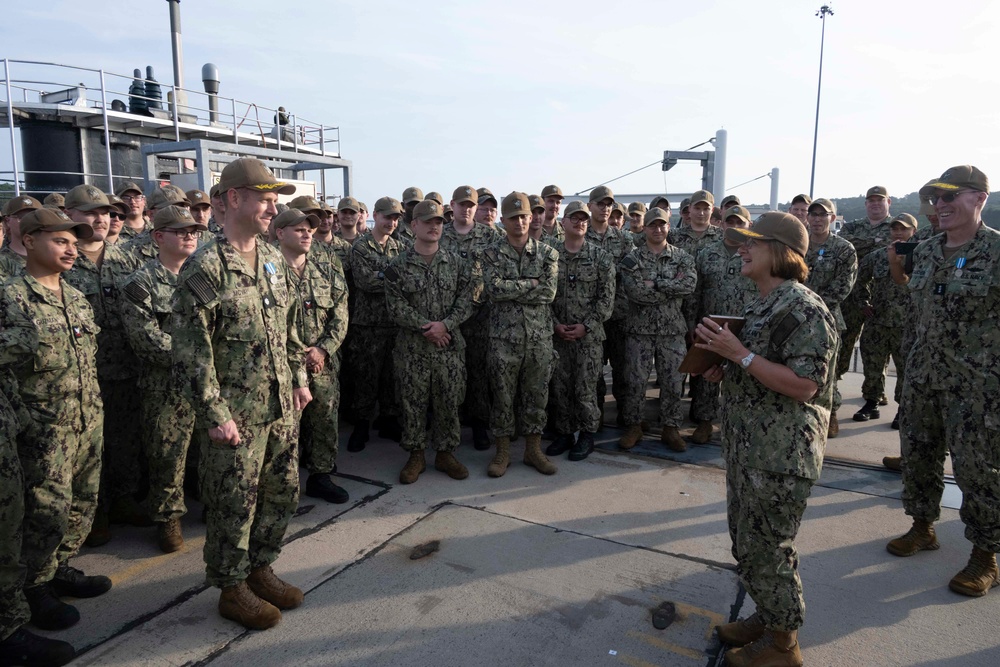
(359, 436)
(71, 582)
(534, 457)
(834, 429)
(100, 531)
(703, 433)
(895, 422)
(741, 632)
(480, 435)
(266, 585)
(414, 466)
(447, 463)
(979, 576)
(772, 649)
(920, 537)
(48, 612)
(583, 448)
(893, 462)
(673, 439)
(239, 603)
(498, 466)
(320, 485)
(560, 445)
(633, 434)
(868, 411)
(169, 535)
(27, 648)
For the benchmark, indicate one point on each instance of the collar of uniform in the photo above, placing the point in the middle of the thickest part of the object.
(162, 274)
(233, 260)
(668, 251)
(369, 239)
(413, 257)
(765, 304)
(975, 246)
(530, 248)
(47, 295)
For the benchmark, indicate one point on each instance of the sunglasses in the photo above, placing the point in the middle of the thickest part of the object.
(185, 233)
(117, 216)
(947, 198)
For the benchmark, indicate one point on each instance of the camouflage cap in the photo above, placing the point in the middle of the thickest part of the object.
(659, 200)
(412, 194)
(904, 219)
(516, 203)
(730, 199)
(484, 195)
(802, 199)
(249, 172)
(388, 206)
(825, 204)
(536, 202)
(198, 198)
(117, 203)
(128, 186)
(464, 193)
(655, 214)
(175, 217)
(21, 203)
(294, 216)
(54, 220)
(348, 204)
(168, 195)
(575, 208)
(637, 207)
(435, 196)
(428, 209)
(685, 203)
(956, 178)
(551, 191)
(737, 212)
(305, 203)
(600, 193)
(54, 200)
(774, 226)
(700, 196)
(877, 191)
(86, 198)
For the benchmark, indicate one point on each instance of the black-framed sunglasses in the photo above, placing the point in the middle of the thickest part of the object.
(948, 198)
(185, 233)
(117, 216)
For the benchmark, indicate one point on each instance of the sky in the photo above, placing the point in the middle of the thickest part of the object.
(517, 94)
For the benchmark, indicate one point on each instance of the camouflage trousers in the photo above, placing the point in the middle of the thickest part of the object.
(250, 492)
(435, 381)
(615, 354)
(764, 511)
(578, 367)
(878, 343)
(62, 477)
(477, 388)
(13, 606)
(319, 427)
(122, 472)
(934, 422)
(643, 353)
(524, 367)
(704, 399)
(371, 360)
(855, 321)
(168, 427)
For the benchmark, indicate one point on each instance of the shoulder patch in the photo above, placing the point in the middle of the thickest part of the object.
(201, 288)
(135, 292)
(786, 327)
(629, 262)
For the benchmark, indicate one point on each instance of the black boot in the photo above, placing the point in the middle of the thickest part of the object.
(26, 648)
(895, 421)
(49, 612)
(72, 582)
(868, 411)
(560, 445)
(321, 485)
(583, 447)
(480, 435)
(359, 436)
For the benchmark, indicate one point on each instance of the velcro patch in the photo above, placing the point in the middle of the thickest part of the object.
(629, 263)
(391, 275)
(136, 293)
(786, 327)
(201, 288)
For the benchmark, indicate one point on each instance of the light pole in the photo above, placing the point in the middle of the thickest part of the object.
(822, 14)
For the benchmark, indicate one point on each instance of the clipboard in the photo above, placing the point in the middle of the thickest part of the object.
(698, 360)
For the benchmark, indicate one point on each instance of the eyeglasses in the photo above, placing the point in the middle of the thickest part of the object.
(185, 233)
(948, 198)
(133, 197)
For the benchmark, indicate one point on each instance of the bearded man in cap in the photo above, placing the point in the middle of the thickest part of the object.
(486, 211)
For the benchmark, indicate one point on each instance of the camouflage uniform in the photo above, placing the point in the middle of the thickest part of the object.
(140, 247)
(168, 420)
(585, 295)
(883, 332)
(404, 234)
(721, 290)
(924, 233)
(418, 293)
(237, 355)
(833, 272)
(11, 263)
(372, 331)
(951, 398)
(866, 238)
(557, 233)
(520, 355)
(687, 240)
(13, 606)
(53, 343)
(773, 446)
(655, 327)
(320, 294)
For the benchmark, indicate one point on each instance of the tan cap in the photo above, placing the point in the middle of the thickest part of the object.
(737, 212)
(904, 219)
(54, 220)
(447, 209)
(802, 199)
(655, 214)
(305, 203)
(348, 204)
(294, 216)
(619, 207)
(362, 207)
(128, 186)
(435, 196)
(730, 199)
(702, 195)
(877, 191)
(686, 202)
(575, 207)
(659, 200)
(55, 199)
(536, 202)
(516, 203)
(388, 206)
(825, 204)
(551, 191)
(956, 178)
(637, 207)
(116, 202)
(86, 198)
(175, 217)
(483, 195)
(926, 207)
(168, 195)
(428, 209)
(600, 193)
(464, 193)
(326, 208)
(214, 191)
(412, 194)
(774, 226)
(22, 203)
(198, 198)
(249, 172)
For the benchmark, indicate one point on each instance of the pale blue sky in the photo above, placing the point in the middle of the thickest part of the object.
(517, 94)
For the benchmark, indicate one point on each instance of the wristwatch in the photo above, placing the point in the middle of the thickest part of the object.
(747, 360)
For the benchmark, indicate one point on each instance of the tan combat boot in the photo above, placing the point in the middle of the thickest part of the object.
(772, 649)
(741, 632)
(834, 429)
(534, 457)
(673, 439)
(498, 466)
(266, 585)
(169, 535)
(238, 603)
(893, 462)
(447, 463)
(414, 466)
(920, 537)
(703, 433)
(633, 434)
(979, 576)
